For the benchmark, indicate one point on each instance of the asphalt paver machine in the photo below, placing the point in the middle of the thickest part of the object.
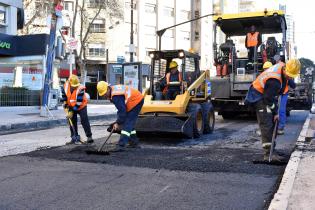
(235, 72)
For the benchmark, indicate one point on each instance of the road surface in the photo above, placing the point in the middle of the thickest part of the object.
(212, 172)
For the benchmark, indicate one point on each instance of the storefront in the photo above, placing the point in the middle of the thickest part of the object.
(23, 68)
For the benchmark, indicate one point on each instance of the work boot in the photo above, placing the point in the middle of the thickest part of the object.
(134, 145)
(280, 131)
(78, 140)
(133, 142)
(275, 156)
(72, 141)
(90, 140)
(118, 148)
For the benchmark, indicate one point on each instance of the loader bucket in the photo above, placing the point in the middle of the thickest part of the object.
(165, 125)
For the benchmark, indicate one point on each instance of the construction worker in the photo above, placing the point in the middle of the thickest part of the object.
(75, 102)
(263, 95)
(284, 99)
(252, 42)
(128, 102)
(171, 77)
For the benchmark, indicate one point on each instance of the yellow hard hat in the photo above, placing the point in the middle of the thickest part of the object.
(74, 81)
(173, 64)
(267, 65)
(102, 88)
(292, 68)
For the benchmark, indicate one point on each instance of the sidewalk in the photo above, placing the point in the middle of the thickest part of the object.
(19, 119)
(297, 187)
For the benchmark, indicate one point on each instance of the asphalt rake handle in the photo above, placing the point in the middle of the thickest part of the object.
(99, 151)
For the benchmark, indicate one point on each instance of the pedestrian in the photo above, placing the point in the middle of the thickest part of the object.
(75, 103)
(128, 102)
(263, 95)
(252, 42)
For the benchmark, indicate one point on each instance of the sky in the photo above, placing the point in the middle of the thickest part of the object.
(303, 12)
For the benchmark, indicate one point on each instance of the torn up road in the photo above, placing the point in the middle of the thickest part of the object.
(213, 172)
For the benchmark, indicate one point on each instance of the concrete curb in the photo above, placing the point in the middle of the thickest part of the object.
(281, 198)
(39, 125)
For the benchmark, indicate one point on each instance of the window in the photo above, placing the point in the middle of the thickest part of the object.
(95, 3)
(98, 26)
(96, 50)
(150, 30)
(68, 6)
(168, 11)
(185, 35)
(2, 15)
(185, 15)
(150, 8)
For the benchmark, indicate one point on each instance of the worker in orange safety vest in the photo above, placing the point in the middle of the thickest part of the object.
(252, 42)
(128, 102)
(263, 94)
(75, 103)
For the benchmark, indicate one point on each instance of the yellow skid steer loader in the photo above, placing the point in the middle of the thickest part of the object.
(191, 113)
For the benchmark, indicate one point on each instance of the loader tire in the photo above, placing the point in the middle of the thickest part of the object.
(195, 112)
(208, 117)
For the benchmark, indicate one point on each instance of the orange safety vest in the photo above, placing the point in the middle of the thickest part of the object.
(168, 76)
(132, 96)
(72, 97)
(273, 72)
(252, 39)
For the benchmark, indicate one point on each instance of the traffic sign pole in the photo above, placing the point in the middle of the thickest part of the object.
(72, 45)
(57, 8)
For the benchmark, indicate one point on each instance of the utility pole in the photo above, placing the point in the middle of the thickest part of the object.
(55, 13)
(160, 33)
(131, 48)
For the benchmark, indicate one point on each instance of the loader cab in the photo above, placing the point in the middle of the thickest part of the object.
(188, 67)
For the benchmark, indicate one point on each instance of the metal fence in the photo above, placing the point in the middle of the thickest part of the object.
(19, 97)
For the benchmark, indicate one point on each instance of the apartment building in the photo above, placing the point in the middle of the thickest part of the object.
(153, 15)
(113, 34)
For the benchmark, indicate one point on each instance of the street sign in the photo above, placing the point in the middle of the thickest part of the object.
(72, 43)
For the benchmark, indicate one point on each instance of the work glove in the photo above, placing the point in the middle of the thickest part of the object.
(69, 114)
(65, 106)
(111, 127)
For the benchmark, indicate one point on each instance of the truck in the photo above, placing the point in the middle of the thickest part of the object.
(235, 72)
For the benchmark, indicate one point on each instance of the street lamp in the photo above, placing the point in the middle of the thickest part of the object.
(131, 48)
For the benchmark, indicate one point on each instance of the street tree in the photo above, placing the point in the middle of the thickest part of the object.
(36, 15)
(85, 13)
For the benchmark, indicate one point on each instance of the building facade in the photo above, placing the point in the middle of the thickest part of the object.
(109, 33)
(238, 6)
(153, 15)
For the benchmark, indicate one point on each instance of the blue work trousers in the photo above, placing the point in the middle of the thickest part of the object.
(282, 111)
(128, 131)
